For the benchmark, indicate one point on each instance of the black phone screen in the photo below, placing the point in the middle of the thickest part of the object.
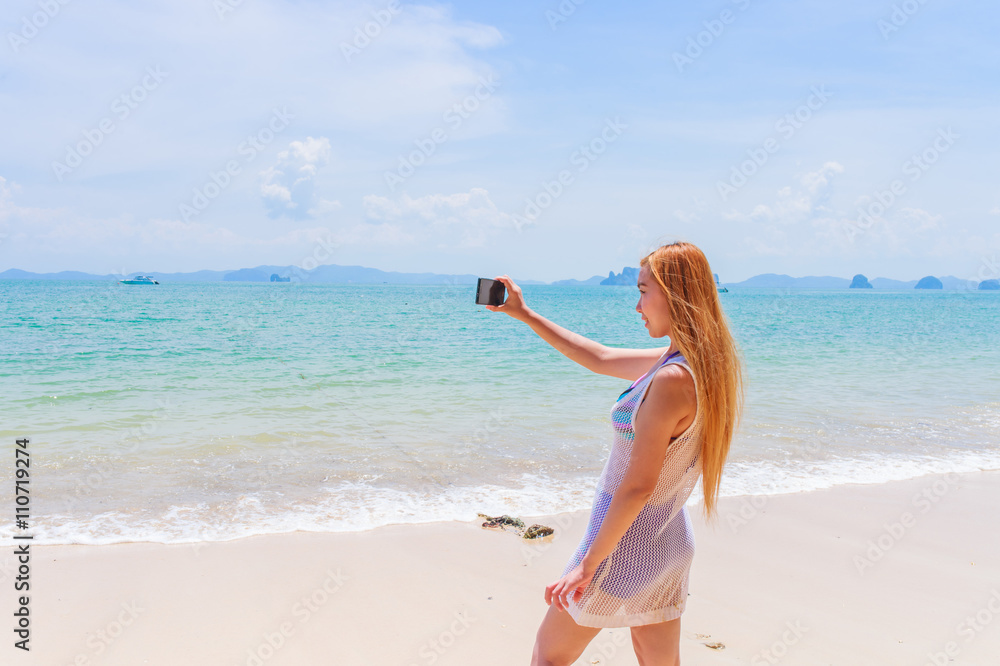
(490, 292)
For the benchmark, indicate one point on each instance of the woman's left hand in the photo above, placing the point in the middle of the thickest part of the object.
(568, 587)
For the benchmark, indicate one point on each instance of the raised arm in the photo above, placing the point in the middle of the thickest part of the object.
(612, 361)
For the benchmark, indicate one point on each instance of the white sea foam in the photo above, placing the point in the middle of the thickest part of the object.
(356, 507)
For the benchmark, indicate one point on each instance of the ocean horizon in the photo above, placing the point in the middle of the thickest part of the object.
(344, 275)
(196, 412)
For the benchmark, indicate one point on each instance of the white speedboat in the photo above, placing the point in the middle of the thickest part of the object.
(139, 279)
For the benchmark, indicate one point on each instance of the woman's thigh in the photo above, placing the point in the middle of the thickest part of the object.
(560, 640)
(658, 644)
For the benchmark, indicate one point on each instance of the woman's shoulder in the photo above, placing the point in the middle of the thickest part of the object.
(670, 404)
(675, 370)
(673, 383)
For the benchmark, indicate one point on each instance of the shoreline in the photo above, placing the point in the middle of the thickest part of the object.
(854, 574)
(461, 504)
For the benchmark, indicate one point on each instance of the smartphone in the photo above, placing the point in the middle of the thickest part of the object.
(490, 292)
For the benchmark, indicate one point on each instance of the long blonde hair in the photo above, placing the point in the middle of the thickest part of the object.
(701, 332)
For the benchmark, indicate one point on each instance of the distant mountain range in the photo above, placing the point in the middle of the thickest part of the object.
(772, 280)
(775, 281)
(329, 273)
(332, 273)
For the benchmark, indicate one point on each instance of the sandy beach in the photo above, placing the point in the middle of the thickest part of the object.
(906, 572)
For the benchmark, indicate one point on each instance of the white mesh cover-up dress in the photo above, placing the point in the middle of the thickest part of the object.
(645, 578)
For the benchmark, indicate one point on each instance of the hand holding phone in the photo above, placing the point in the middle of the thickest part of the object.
(513, 305)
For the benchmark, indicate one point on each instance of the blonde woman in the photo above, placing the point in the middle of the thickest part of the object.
(673, 425)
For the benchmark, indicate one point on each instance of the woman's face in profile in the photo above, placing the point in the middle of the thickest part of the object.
(652, 305)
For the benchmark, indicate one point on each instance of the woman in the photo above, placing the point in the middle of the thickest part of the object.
(631, 567)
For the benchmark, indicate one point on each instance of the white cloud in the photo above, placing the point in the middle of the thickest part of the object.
(685, 217)
(801, 222)
(287, 187)
(817, 181)
(471, 215)
(19, 221)
(311, 152)
(121, 232)
(381, 234)
(636, 231)
(916, 219)
(792, 206)
(53, 239)
(784, 226)
(324, 207)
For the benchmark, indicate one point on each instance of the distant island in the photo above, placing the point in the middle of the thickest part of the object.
(335, 274)
(628, 276)
(861, 282)
(776, 281)
(929, 282)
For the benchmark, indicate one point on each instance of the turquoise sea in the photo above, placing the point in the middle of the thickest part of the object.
(209, 411)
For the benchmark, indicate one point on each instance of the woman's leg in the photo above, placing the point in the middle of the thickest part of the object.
(560, 640)
(658, 644)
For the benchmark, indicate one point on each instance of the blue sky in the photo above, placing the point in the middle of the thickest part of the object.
(546, 140)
